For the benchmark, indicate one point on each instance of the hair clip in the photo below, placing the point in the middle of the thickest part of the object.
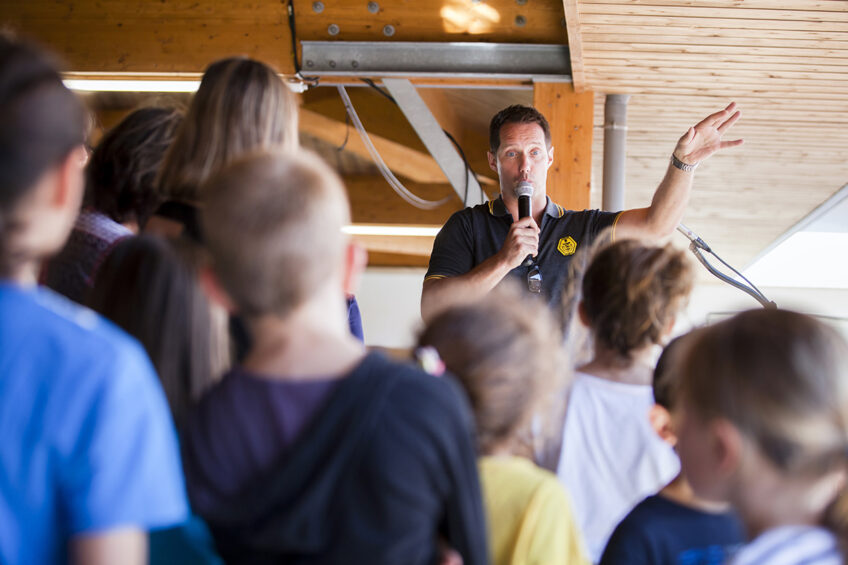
(429, 360)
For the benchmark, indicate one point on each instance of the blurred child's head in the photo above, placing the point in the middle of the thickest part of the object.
(763, 394)
(665, 384)
(273, 225)
(241, 107)
(123, 167)
(506, 352)
(151, 289)
(42, 133)
(631, 293)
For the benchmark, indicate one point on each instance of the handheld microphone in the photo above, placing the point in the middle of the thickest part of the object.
(693, 237)
(524, 190)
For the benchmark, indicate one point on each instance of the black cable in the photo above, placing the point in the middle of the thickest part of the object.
(379, 90)
(341, 147)
(753, 292)
(740, 275)
(313, 81)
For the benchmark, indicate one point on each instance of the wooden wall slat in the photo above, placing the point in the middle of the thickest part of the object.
(712, 12)
(712, 23)
(819, 5)
(570, 116)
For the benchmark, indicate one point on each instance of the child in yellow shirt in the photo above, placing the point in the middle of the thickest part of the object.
(506, 352)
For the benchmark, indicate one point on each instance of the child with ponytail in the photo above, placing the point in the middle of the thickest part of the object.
(764, 425)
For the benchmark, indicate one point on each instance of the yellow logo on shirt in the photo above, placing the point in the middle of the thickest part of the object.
(567, 246)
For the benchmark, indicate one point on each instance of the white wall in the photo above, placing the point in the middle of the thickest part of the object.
(390, 297)
(719, 298)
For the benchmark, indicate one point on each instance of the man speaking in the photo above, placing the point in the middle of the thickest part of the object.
(479, 246)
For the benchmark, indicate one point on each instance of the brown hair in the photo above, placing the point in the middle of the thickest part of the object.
(516, 114)
(273, 226)
(149, 287)
(41, 122)
(121, 172)
(242, 106)
(506, 351)
(782, 379)
(666, 379)
(631, 293)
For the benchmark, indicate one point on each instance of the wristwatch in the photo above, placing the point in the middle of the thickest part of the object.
(681, 165)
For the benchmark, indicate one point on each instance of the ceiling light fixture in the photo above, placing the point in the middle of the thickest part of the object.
(391, 230)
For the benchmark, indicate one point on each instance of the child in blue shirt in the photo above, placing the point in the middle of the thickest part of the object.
(88, 458)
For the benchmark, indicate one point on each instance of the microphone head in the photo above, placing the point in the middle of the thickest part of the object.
(524, 188)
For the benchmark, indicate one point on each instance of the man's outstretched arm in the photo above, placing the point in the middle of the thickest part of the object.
(672, 195)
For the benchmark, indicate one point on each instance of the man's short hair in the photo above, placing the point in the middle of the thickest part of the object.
(273, 224)
(516, 114)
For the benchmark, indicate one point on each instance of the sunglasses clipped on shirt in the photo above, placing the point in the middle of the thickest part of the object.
(534, 279)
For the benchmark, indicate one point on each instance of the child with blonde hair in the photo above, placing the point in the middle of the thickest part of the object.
(507, 353)
(764, 425)
(313, 450)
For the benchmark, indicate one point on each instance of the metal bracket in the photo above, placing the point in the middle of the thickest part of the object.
(428, 129)
(422, 59)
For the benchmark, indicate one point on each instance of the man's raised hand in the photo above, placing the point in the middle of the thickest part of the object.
(705, 138)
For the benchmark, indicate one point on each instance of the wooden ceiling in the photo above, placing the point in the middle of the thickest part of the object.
(785, 62)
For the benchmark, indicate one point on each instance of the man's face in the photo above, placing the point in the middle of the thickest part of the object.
(522, 156)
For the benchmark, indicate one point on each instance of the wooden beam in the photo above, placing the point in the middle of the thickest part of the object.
(373, 201)
(507, 21)
(570, 116)
(406, 245)
(402, 160)
(380, 259)
(164, 37)
(575, 44)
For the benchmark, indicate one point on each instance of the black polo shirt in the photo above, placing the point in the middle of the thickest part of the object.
(472, 235)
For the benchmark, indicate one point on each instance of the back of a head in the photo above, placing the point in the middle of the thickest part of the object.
(273, 225)
(506, 351)
(41, 123)
(780, 377)
(241, 107)
(666, 374)
(123, 167)
(632, 293)
(149, 289)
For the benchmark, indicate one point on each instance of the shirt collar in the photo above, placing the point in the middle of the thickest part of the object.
(498, 208)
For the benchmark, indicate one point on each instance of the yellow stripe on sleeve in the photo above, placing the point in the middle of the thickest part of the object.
(615, 223)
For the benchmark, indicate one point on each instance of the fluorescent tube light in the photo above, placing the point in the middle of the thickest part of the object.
(127, 85)
(381, 229)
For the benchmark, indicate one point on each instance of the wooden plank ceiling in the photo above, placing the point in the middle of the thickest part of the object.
(785, 62)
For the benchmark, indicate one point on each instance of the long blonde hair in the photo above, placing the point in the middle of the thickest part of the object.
(242, 106)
